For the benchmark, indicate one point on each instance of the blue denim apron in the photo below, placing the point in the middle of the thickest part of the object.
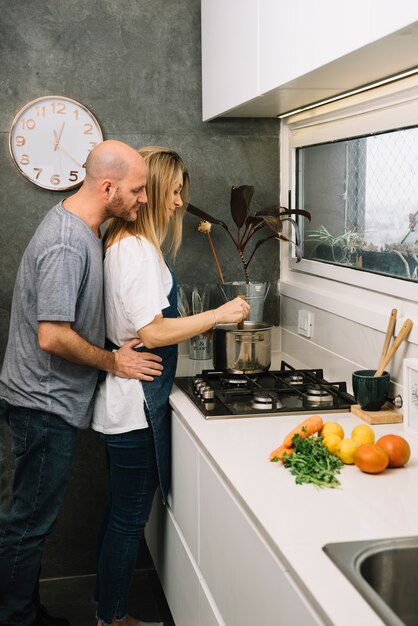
(156, 394)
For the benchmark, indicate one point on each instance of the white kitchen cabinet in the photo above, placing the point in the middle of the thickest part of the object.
(175, 566)
(296, 38)
(229, 54)
(172, 531)
(208, 611)
(246, 580)
(305, 51)
(183, 499)
(214, 566)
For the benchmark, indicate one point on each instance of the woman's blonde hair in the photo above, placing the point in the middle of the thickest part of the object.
(164, 166)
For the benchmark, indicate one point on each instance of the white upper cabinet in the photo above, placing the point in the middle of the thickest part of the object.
(287, 54)
(229, 54)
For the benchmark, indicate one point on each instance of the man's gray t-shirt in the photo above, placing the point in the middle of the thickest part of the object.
(60, 279)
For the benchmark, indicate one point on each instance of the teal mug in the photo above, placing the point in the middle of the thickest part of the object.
(370, 391)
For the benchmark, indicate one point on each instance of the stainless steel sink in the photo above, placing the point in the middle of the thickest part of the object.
(385, 572)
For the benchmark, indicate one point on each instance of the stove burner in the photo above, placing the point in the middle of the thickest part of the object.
(317, 395)
(234, 381)
(265, 400)
(294, 379)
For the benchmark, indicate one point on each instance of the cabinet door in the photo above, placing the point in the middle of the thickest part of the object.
(297, 38)
(229, 54)
(176, 569)
(208, 611)
(245, 578)
(184, 483)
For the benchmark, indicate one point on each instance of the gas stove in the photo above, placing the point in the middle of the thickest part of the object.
(219, 395)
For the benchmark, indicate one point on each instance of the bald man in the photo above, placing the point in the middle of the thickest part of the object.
(53, 356)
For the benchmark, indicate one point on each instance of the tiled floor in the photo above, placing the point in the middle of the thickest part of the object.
(71, 598)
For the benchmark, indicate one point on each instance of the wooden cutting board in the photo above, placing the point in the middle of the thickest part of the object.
(386, 415)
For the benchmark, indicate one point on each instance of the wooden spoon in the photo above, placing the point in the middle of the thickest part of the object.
(406, 328)
(389, 334)
(241, 324)
(244, 356)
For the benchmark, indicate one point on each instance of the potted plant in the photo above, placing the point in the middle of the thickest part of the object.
(344, 249)
(247, 225)
(351, 249)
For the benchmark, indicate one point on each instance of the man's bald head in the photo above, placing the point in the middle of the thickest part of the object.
(114, 186)
(111, 159)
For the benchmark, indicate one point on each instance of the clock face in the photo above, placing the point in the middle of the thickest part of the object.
(50, 139)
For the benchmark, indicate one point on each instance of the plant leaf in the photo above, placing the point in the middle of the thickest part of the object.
(248, 192)
(295, 228)
(260, 219)
(301, 212)
(274, 222)
(205, 216)
(239, 203)
(253, 221)
(261, 241)
(282, 210)
(296, 242)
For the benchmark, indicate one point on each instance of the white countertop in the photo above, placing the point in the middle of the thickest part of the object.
(298, 520)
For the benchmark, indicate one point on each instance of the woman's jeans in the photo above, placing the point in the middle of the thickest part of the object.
(133, 480)
(43, 445)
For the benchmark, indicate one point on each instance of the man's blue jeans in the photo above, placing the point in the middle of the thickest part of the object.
(133, 476)
(43, 445)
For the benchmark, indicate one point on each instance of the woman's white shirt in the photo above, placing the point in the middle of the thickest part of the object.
(137, 283)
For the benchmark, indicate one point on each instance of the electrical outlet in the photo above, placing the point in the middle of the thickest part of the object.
(305, 323)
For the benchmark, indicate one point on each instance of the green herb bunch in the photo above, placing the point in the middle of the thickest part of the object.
(311, 462)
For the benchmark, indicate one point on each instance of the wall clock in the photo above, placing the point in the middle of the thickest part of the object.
(50, 139)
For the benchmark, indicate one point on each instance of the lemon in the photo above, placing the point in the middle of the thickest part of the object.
(332, 443)
(363, 434)
(347, 450)
(332, 428)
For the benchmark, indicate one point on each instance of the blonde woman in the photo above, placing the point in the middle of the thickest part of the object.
(134, 417)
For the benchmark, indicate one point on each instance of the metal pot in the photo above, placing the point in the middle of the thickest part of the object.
(242, 351)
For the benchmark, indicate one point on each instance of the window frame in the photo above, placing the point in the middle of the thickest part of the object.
(363, 297)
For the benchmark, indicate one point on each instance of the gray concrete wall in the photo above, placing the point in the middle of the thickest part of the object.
(136, 66)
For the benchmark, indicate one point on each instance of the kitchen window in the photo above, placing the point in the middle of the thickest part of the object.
(362, 194)
(353, 165)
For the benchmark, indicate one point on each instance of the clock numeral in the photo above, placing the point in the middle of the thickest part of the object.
(89, 129)
(40, 111)
(76, 113)
(20, 141)
(92, 143)
(28, 124)
(38, 170)
(55, 179)
(58, 108)
(73, 176)
(24, 159)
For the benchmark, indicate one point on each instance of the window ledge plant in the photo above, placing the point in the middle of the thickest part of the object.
(398, 259)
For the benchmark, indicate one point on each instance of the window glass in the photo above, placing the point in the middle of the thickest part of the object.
(362, 194)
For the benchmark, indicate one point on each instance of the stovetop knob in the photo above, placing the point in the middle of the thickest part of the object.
(207, 393)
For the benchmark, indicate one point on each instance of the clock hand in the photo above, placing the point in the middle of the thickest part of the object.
(69, 155)
(58, 136)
